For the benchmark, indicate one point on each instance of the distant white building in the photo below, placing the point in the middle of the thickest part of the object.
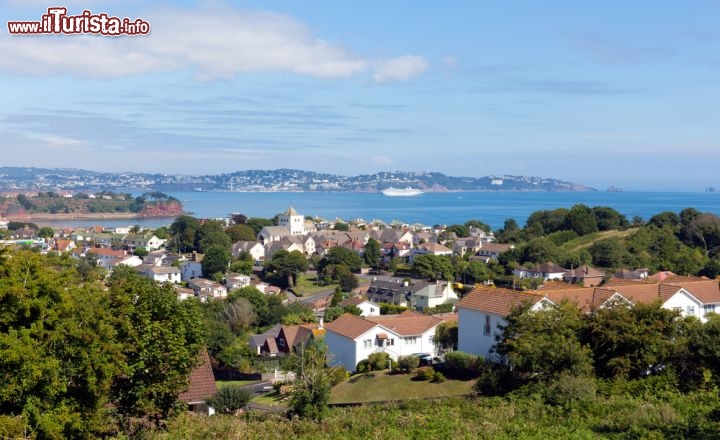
(294, 222)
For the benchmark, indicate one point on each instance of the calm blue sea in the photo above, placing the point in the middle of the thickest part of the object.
(492, 208)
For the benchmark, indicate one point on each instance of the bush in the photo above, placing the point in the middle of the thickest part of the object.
(337, 374)
(569, 390)
(230, 399)
(407, 364)
(424, 373)
(378, 361)
(461, 361)
(495, 379)
(438, 377)
(362, 366)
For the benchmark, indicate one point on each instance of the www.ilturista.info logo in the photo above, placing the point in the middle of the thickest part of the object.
(56, 21)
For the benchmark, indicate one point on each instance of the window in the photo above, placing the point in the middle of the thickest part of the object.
(391, 341)
(709, 308)
(372, 309)
(690, 310)
(486, 330)
(411, 340)
(367, 343)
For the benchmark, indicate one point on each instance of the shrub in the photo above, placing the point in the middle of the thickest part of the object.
(362, 366)
(378, 361)
(495, 379)
(407, 364)
(424, 373)
(461, 361)
(230, 399)
(438, 377)
(337, 374)
(568, 390)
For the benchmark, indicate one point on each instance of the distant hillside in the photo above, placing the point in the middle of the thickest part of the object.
(43, 179)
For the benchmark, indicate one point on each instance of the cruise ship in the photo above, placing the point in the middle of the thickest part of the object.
(397, 192)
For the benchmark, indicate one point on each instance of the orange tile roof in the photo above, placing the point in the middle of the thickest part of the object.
(496, 300)
(202, 382)
(350, 326)
(407, 323)
(707, 291)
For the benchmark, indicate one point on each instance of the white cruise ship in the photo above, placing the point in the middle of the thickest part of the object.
(397, 192)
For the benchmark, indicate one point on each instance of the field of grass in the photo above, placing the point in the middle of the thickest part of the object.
(307, 286)
(586, 241)
(270, 399)
(380, 386)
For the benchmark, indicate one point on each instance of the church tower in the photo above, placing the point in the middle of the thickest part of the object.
(294, 222)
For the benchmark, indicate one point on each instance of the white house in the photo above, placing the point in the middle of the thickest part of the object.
(483, 309)
(236, 281)
(368, 308)
(429, 248)
(161, 274)
(191, 268)
(547, 271)
(253, 248)
(286, 244)
(150, 243)
(351, 338)
(269, 234)
(433, 295)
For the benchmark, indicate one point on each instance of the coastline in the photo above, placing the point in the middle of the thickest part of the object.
(86, 216)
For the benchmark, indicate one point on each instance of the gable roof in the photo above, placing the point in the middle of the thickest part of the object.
(350, 326)
(202, 382)
(582, 272)
(408, 323)
(496, 300)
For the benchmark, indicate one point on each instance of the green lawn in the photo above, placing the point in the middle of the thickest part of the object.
(307, 286)
(270, 399)
(227, 383)
(381, 386)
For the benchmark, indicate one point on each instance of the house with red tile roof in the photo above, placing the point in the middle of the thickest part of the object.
(350, 338)
(202, 387)
(483, 310)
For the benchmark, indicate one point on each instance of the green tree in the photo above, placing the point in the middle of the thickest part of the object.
(609, 219)
(45, 232)
(332, 313)
(608, 252)
(665, 218)
(311, 387)
(257, 224)
(581, 220)
(459, 230)
(212, 233)
(216, 260)
(161, 338)
(341, 255)
(446, 337)
(337, 297)
(341, 226)
(183, 233)
(539, 250)
(140, 251)
(372, 253)
(542, 344)
(241, 233)
(284, 267)
(230, 398)
(435, 267)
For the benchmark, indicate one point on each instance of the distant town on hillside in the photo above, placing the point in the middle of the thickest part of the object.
(280, 180)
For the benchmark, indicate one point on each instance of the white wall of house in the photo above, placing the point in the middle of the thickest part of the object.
(687, 304)
(342, 350)
(369, 308)
(190, 270)
(477, 330)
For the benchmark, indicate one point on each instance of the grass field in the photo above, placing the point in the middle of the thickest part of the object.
(307, 286)
(380, 386)
(586, 241)
(270, 399)
(227, 383)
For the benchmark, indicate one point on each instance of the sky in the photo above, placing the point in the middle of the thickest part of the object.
(599, 93)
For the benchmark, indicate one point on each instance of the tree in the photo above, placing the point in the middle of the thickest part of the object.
(372, 253)
(337, 297)
(478, 224)
(352, 309)
(140, 251)
(216, 260)
(609, 219)
(346, 279)
(311, 387)
(46, 232)
(665, 218)
(240, 232)
(257, 224)
(284, 267)
(212, 233)
(230, 398)
(446, 337)
(539, 250)
(341, 226)
(608, 252)
(183, 233)
(161, 338)
(242, 264)
(436, 267)
(459, 230)
(542, 344)
(581, 220)
(341, 255)
(332, 313)
(238, 314)
(704, 230)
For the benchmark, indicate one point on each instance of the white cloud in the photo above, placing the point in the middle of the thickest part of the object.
(212, 41)
(401, 68)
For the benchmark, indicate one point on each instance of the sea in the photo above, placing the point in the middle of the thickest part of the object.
(429, 209)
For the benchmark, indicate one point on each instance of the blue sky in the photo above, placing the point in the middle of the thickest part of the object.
(600, 93)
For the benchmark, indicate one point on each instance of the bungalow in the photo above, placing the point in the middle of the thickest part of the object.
(286, 244)
(463, 246)
(432, 295)
(184, 293)
(430, 249)
(265, 344)
(236, 281)
(351, 338)
(481, 311)
(205, 289)
(149, 242)
(547, 271)
(62, 246)
(253, 248)
(160, 274)
(106, 256)
(492, 251)
(202, 386)
(585, 275)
